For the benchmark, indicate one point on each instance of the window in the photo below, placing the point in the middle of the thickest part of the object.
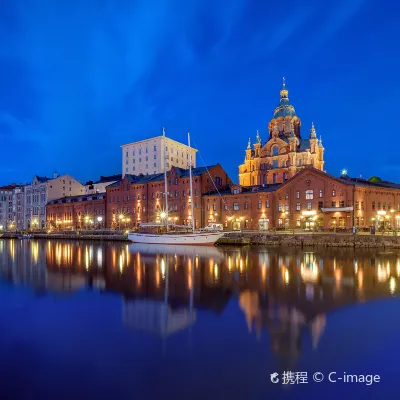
(274, 178)
(383, 206)
(373, 206)
(259, 205)
(280, 222)
(379, 205)
(320, 205)
(286, 207)
(333, 193)
(140, 159)
(236, 206)
(154, 148)
(279, 207)
(235, 191)
(275, 150)
(208, 207)
(321, 193)
(362, 205)
(298, 206)
(309, 206)
(309, 194)
(286, 196)
(275, 164)
(246, 205)
(356, 205)
(155, 165)
(298, 222)
(333, 204)
(140, 151)
(285, 176)
(133, 153)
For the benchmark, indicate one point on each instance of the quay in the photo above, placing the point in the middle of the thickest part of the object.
(234, 238)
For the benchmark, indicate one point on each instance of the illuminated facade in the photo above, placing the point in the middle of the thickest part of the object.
(310, 200)
(285, 152)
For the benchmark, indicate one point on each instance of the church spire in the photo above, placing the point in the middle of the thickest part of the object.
(249, 144)
(284, 92)
(258, 137)
(313, 133)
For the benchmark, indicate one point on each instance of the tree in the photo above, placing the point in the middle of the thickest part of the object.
(374, 179)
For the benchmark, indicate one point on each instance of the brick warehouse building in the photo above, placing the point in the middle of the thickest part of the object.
(77, 212)
(310, 200)
(136, 199)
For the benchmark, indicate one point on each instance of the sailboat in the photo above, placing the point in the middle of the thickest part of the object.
(201, 238)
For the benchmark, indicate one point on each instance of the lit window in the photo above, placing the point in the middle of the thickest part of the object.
(309, 194)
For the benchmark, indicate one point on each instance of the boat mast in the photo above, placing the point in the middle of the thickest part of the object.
(191, 181)
(165, 177)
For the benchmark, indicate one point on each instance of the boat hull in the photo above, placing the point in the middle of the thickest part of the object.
(189, 239)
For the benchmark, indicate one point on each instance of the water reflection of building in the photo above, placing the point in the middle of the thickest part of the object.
(285, 292)
(156, 316)
(23, 262)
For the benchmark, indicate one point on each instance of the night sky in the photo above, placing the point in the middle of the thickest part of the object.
(79, 78)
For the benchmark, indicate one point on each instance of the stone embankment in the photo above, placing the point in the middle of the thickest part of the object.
(316, 240)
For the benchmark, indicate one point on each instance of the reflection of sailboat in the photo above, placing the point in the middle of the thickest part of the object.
(179, 250)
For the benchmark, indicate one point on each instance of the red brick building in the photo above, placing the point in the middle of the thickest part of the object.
(310, 200)
(136, 199)
(77, 212)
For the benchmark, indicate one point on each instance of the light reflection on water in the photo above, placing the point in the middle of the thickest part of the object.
(285, 293)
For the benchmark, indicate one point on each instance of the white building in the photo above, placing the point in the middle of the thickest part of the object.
(148, 156)
(100, 185)
(41, 191)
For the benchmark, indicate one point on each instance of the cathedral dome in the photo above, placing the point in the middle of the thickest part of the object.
(285, 109)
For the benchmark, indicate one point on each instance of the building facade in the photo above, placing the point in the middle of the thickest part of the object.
(101, 184)
(137, 199)
(6, 208)
(153, 156)
(285, 152)
(77, 212)
(41, 191)
(310, 200)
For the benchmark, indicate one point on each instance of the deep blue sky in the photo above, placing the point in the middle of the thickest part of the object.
(80, 78)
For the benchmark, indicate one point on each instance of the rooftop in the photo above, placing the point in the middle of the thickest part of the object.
(81, 197)
(156, 138)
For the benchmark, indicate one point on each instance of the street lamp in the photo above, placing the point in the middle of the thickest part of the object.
(99, 219)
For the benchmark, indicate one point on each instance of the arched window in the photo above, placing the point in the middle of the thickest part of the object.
(275, 164)
(275, 150)
(287, 128)
(282, 164)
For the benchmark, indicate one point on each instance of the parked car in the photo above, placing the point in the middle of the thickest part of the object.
(214, 227)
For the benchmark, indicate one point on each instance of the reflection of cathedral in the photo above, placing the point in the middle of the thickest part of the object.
(285, 152)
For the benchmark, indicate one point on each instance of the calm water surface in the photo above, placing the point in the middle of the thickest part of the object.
(119, 321)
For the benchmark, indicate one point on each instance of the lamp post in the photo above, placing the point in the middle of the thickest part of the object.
(86, 221)
(120, 219)
(99, 219)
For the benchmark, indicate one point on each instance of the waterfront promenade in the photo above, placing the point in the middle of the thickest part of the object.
(271, 239)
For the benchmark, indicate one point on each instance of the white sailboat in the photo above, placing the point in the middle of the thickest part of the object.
(200, 238)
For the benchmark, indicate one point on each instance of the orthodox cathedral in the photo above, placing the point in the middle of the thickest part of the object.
(285, 152)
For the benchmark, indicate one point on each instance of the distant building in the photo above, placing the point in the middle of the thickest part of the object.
(6, 207)
(77, 212)
(148, 156)
(100, 185)
(285, 152)
(41, 191)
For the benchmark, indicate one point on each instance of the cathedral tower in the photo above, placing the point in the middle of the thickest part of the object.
(285, 152)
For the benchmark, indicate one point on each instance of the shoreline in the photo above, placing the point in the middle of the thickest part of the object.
(257, 238)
